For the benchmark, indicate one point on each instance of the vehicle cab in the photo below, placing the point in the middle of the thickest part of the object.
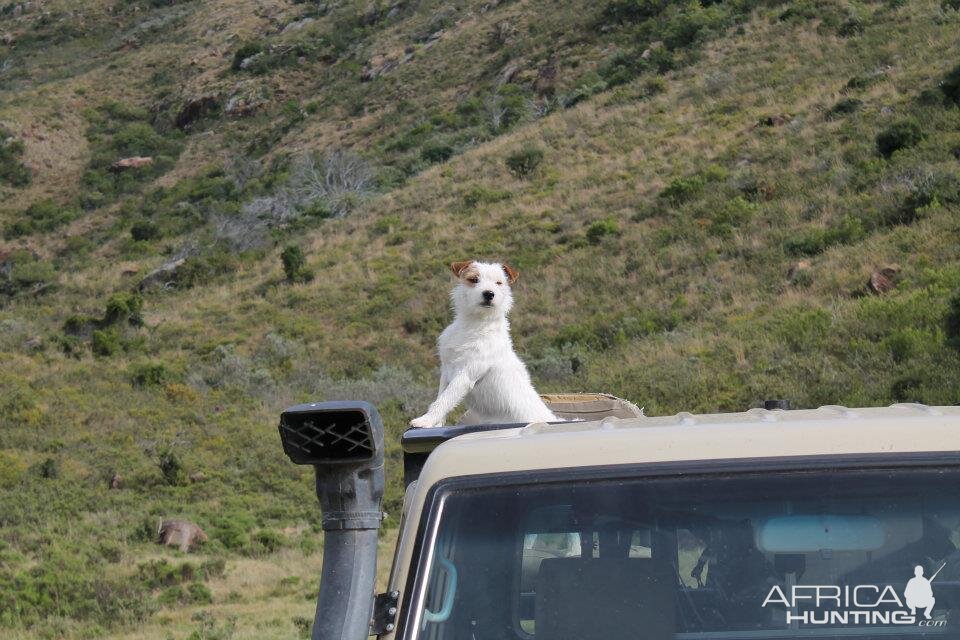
(824, 523)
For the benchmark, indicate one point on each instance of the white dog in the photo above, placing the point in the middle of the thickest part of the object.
(476, 355)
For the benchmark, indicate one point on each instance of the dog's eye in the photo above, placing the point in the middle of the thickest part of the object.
(499, 284)
(473, 280)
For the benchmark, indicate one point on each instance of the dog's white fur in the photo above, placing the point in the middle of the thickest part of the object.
(477, 360)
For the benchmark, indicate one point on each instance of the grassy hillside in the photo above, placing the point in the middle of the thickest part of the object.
(696, 195)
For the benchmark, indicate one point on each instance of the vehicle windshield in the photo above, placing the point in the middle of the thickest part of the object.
(826, 554)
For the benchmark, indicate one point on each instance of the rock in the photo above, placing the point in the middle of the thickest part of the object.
(198, 476)
(116, 482)
(240, 106)
(182, 534)
(196, 108)
(135, 162)
(378, 66)
(33, 344)
(298, 25)
(509, 73)
(7, 39)
(883, 280)
(162, 276)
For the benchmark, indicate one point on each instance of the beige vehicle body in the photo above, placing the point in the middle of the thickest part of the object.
(766, 438)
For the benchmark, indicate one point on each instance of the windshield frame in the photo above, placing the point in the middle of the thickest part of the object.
(414, 591)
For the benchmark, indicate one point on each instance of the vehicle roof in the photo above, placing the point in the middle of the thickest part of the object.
(757, 433)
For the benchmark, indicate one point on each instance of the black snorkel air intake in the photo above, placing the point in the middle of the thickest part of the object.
(344, 443)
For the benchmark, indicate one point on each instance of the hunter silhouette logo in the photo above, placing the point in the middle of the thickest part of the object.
(919, 593)
(869, 604)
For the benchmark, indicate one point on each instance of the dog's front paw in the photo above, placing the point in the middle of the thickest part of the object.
(424, 422)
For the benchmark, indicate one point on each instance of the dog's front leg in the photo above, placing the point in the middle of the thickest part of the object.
(453, 394)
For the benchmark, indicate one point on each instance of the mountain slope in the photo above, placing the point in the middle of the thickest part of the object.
(717, 186)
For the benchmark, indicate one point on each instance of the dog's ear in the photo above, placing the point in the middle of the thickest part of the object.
(512, 274)
(460, 267)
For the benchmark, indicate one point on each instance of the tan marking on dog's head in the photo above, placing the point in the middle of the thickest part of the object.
(512, 274)
(459, 267)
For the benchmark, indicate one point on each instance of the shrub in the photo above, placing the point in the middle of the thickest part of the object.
(295, 264)
(900, 135)
(40, 217)
(436, 152)
(153, 374)
(600, 229)
(479, 194)
(524, 162)
(684, 189)
(198, 593)
(844, 107)
(171, 468)
(732, 214)
(22, 272)
(950, 5)
(819, 240)
(105, 342)
(951, 85)
(246, 50)
(12, 171)
(145, 230)
(632, 11)
(931, 190)
(952, 322)
(126, 307)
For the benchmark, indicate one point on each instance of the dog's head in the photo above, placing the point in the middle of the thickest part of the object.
(482, 288)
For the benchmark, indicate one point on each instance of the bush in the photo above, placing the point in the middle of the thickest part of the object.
(145, 230)
(22, 272)
(633, 11)
(600, 229)
(731, 215)
(153, 374)
(124, 307)
(524, 162)
(819, 240)
(683, 189)
(295, 264)
(952, 322)
(951, 85)
(479, 194)
(171, 467)
(12, 171)
(900, 135)
(247, 50)
(105, 342)
(40, 217)
(844, 107)
(436, 152)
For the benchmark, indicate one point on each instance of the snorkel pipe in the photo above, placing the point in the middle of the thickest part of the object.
(343, 441)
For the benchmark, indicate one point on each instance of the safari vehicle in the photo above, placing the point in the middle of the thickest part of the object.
(823, 523)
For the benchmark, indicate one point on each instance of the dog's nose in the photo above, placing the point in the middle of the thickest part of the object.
(488, 295)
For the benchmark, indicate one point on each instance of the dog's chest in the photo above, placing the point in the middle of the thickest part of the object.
(462, 344)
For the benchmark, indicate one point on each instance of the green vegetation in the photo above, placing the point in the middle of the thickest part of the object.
(524, 162)
(12, 170)
(694, 200)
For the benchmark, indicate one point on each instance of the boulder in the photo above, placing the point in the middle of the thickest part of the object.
(883, 280)
(116, 482)
(182, 534)
(163, 275)
(135, 162)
